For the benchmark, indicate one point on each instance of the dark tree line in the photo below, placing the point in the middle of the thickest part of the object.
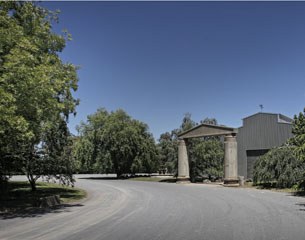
(113, 142)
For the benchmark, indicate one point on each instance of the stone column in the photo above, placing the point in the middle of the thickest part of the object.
(230, 161)
(183, 163)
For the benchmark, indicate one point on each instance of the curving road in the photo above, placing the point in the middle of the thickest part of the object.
(120, 209)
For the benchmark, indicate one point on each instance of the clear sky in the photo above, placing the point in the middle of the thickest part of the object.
(159, 60)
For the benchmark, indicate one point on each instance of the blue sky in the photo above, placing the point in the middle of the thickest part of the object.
(159, 60)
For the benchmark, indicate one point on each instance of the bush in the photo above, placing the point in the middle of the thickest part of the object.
(207, 158)
(279, 167)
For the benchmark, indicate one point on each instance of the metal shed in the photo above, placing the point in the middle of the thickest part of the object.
(259, 133)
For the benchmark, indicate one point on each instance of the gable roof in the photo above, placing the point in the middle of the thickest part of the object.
(280, 117)
(204, 130)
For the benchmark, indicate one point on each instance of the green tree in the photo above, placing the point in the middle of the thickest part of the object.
(82, 155)
(88, 150)
(130, 146)
(211, 121)
(56, 147)
(298, 141)
(278, 167)
(187, 123)
(35, 85)
(168, 152)
(114, 142)
(52, 157)
(209, 156)
(206, 154)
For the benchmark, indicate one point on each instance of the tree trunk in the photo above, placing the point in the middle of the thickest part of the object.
(3, 187)
(32, 181)
(118, 173)
(33, 185)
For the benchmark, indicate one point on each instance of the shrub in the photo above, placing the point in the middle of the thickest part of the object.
(279, 167)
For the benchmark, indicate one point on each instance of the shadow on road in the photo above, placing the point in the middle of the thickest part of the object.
(302, 205)
(37, 212)
(169, 180)
(300, 194)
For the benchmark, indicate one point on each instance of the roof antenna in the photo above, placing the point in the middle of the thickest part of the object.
(261, 107)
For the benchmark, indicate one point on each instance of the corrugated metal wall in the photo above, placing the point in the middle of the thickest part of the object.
(261, 131)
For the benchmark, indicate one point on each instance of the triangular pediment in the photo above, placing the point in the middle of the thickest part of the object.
(204, 130)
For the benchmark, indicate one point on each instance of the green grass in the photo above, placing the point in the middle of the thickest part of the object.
(152, 179)
(18, 195)
(146, 179)
(272, 187)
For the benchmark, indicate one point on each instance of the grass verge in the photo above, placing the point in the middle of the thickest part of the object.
(152, 179)
(270, 187)
(146, 179)
(18, 195)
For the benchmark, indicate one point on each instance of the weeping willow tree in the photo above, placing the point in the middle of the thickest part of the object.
(279, 167)
(114, 142)
(298, 141)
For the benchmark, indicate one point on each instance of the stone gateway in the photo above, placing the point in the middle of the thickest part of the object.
(230, 143)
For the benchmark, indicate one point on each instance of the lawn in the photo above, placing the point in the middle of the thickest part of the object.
(18, 195)
(153, 179)
(146, 179)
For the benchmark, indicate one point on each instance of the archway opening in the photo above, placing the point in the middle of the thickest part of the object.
(230, 151)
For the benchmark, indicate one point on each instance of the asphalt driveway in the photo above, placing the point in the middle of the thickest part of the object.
(122, 209)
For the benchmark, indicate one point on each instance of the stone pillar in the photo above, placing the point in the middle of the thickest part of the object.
(230, 161)
(183, 163)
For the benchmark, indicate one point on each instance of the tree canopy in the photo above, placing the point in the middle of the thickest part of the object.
(299, 135)
(114, 142)
(298, 141)
(278, 167)
(284, 166)
(35, 85)
(168, 152)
